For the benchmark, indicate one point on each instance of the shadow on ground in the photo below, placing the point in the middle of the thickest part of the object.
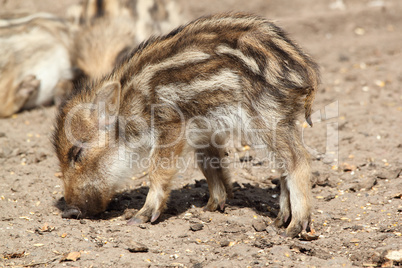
(263, 201)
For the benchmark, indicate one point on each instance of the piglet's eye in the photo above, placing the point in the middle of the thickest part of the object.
(74, 154)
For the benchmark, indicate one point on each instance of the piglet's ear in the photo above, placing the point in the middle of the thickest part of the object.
(107, 101)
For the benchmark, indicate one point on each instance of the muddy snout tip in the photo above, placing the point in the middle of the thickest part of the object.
(71, 213)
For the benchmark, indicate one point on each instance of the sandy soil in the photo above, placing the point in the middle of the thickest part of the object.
(357, 211)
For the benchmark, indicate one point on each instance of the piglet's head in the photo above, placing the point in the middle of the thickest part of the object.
(85, 143)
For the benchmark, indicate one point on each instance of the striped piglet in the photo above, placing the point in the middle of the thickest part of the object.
(218, 76)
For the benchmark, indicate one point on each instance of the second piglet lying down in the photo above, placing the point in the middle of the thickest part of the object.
(35, 67)
(188, 90)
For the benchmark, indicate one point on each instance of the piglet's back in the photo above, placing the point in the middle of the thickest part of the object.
(236, 50)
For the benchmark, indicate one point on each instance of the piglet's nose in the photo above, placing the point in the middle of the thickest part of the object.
(71, 212)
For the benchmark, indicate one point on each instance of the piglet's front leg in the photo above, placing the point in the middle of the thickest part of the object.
(157, 196)
(163, 169)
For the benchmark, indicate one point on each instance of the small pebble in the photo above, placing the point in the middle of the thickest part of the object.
(356, 228)
(329, 197)
(343, 57)
(142, 226)
(387, 174)
(259, 225)
(395, 255)
(308, 236)
(134, 247)
(364, 183)
(224, 243)
(196, 227)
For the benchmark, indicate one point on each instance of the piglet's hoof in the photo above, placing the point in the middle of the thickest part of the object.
(135, 221)
(138, 219)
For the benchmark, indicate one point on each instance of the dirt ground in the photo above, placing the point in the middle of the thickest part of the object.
(358, 207)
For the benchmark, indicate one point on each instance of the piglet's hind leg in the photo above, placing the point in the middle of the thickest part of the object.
(210, 162)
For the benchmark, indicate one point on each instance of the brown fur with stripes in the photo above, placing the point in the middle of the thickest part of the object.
(35, 65)
(218, 75)
(106, 30)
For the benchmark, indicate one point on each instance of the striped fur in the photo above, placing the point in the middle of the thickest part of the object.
(106, 30)
(190, 90)
(35, 66)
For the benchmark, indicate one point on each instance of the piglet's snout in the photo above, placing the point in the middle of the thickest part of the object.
(72, 212)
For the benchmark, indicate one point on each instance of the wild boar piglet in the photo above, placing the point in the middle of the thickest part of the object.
(35, 64)
(191, 90)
